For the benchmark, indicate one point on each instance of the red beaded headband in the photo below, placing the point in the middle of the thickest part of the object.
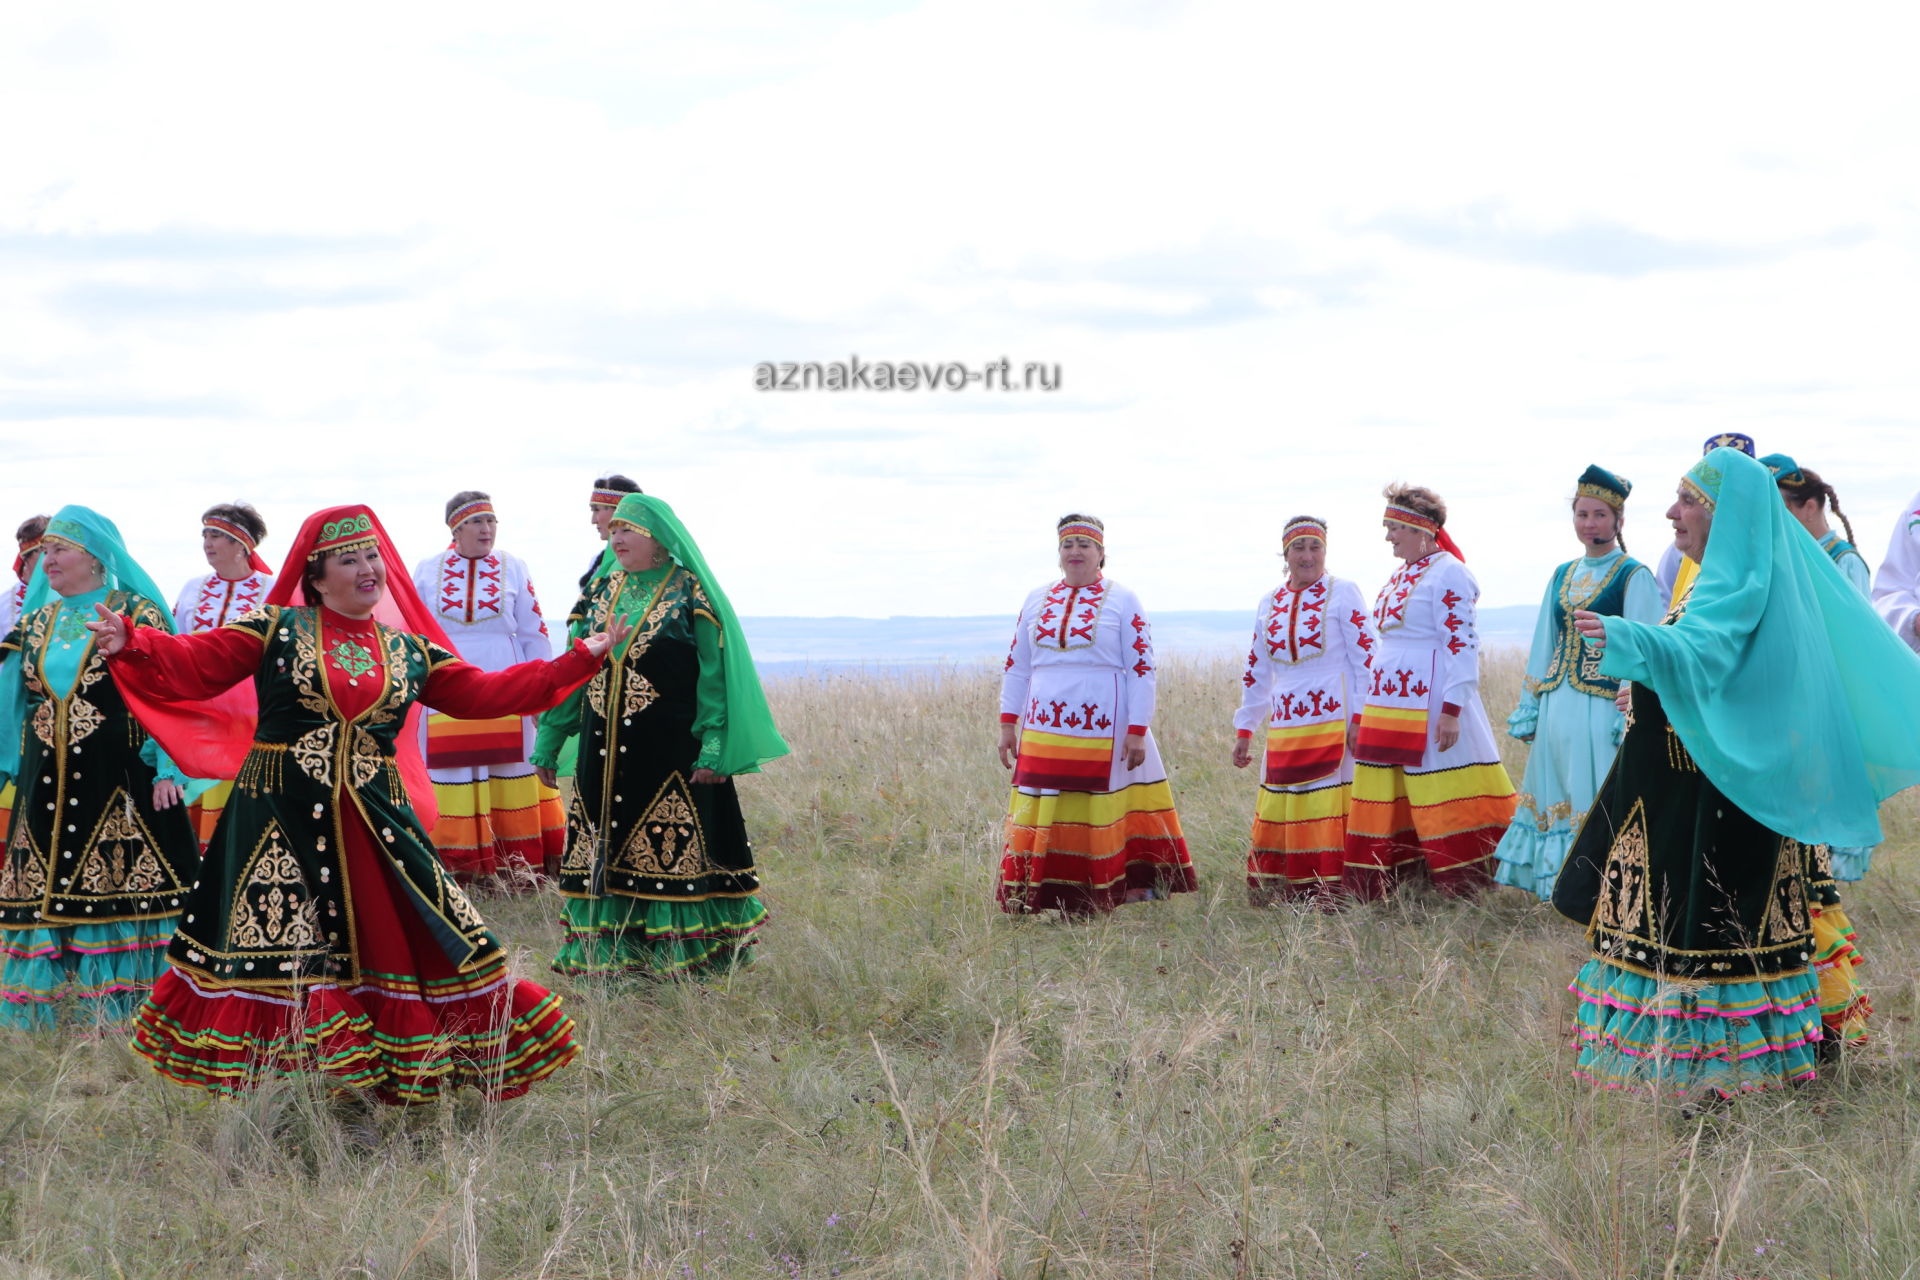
(1412, 519)
(1081, 529)
(1302, 529)
(232, 530)
(467, 511)
(606, 498)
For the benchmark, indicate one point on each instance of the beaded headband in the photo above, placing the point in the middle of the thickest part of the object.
(30, 545)
(239, 534)
(640, 529)
(606, 498)
(348, 533)
(1412, 519)
(1302, 527)
(467, 511)
(1084, 529)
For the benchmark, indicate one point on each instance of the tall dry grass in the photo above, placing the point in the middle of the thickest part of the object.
(907, 1083)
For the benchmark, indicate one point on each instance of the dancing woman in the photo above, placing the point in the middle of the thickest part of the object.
(324, 934)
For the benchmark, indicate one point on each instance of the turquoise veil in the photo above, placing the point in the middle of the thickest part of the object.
(750, 738)
(1789, 691)
(99, 537)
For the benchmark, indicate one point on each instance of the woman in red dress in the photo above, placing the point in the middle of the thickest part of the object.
(324, 933)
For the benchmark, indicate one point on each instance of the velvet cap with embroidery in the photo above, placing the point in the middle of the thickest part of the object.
(1728, 440)
(99, 537)
(1787, 689)
(749, 738)
(1785, 470)
(1598, 482)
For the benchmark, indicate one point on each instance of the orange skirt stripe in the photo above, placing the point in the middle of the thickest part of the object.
(1055, 761)
(1301, 753)
(1392, 735)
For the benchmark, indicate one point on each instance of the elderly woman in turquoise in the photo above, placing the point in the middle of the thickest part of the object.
(100, 852)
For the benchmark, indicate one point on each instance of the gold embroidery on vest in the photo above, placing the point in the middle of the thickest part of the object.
(23, 878)
(1623, 889)
(667, 840)
(313, 752)
(273, 909)
(120, 858)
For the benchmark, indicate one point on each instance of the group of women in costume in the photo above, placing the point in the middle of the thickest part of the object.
(1708, 754)
(247, 826)
(314, 919)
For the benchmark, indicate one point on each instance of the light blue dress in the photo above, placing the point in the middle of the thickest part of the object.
(1574, 734)
(1849, 863)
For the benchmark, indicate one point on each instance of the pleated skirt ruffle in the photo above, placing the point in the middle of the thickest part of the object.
(647, 937)
(1089, 851)
(1685, 1039)
(1441, 825)
(82, 975)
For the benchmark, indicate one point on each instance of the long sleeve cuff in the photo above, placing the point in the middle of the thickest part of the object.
(1136, 731)
(1243, 733)
(1008, 717)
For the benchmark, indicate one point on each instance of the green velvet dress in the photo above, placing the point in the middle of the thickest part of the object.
(94, 875)
(658, 877)
(1701, 921)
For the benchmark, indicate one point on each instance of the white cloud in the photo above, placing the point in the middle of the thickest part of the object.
(1282, 255)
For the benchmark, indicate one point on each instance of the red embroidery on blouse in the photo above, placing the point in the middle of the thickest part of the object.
(221, 601)
(1078, 612)
(470, 589)
(1390, 606)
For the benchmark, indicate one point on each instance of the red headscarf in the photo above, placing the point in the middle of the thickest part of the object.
(209, 739)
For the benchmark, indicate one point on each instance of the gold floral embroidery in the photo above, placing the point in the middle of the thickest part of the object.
(462, 908)
(366, 758)
(1623, 891)
(82, 719)
(23, 875)
(273, 908)
(43, 723)
(1787, 915)
(597, 693)
(638, 694)
(667, 840)
(583, 837)
(120, 858)
(313, 752)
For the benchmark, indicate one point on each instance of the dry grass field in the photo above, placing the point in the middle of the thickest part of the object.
(907, 1083)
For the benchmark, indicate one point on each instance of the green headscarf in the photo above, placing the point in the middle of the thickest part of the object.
(749, 738)
(100, 538)
(1790, 693)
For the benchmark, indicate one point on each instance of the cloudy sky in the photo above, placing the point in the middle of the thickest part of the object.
(1281, 255)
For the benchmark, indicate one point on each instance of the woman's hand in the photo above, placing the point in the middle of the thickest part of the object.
(707, 775)
(166, 793)
(1135, 750)
(548, 777)
(1591, 626)
(1242, 752)
(110, 634)
(601, 642)
(1624, 698)
(1446, 731)
(1009, 745)
(1353, 738)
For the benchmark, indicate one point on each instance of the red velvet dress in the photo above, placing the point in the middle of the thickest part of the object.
(355, 955)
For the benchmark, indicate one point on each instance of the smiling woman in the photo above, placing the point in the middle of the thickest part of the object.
(1090, 820)
(324, 933)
